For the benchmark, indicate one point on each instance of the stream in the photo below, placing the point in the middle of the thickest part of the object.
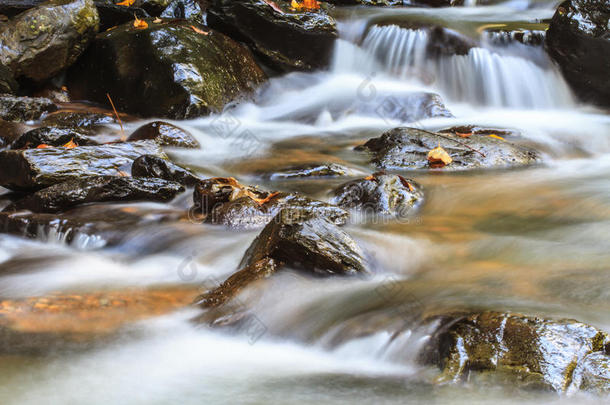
(532, 240)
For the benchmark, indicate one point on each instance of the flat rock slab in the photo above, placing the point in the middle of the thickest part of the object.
(31, 169)
(407, 148)
(68, 194)
(21, 109)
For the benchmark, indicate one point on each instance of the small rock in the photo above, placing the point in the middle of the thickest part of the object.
(381, 193)
(31, 169)
(43, 41)
(301, 240)
(68, 194)
(152, 166)
(313, 171)
(72, 119)
(165, 134)
(185, 9)
(287, 40)
(24, 108)
(53, 137)
(407, 148)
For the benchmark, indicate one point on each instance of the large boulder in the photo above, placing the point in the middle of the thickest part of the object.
(176, 69)
(285, 38)
(534, 352)
(44, 40)
(380, 193)
(71, 193)
(21, 109)
(31, 169)
(300, 239)
(578, 39)
(408, 148)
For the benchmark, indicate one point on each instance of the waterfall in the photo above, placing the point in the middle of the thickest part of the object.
(482, 76)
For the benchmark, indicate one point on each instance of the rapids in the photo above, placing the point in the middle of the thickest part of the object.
(532, 240)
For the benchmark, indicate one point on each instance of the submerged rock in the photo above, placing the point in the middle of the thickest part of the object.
(298, 238)
(388, 194)
(152, 166)
(165, 134)
(407, 148)
(225, 201)
(313, 171)
(578, 39)
(284, 38)
(29, 169)
(14, 108)
(43, 41)
(68, 194)
(193, 70)
(53, 137)
(530, 351)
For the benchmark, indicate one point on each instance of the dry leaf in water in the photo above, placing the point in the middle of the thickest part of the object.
(406, 183)
(157, 20)
(274, 6)
(463, 134)
(438, 157)
(42, 146)
(140, 24)
(199, 31)
(496, 137)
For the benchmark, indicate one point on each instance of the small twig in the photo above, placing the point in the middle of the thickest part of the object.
(456, 141)
(116, 114)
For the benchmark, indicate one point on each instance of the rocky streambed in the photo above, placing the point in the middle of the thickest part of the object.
(337, 201)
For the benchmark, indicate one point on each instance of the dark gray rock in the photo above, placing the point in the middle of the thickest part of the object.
(53, 136)
(165, 134)
(8, 85)
(77, 119)
(152, 166)
(14, 108)
(43, 41)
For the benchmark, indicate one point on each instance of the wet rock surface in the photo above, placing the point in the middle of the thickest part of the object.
(77, 119)
(227, 202)
(152, 166)
(407, 148)
(380, 193)
(62, 196)
(194, 71)
(300, 239)
(578, 39)
(38, 168)
(53, 136)
(284, 38)
(45, 40)
(10, 132)
(530, 351)
(186, 9)
(165, 134)
(112, 15)
(312, 171)
(13, 108)
(8, 85)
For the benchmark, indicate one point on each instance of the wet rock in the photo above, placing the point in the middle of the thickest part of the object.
(301, 240)
(286, 39)
(224, 201)
(530, 351)
(24, 108)
(71, 193)
(74, 119)
(389, 3)
(313, 171)
(380, 193)
(112, 15)
(578, 39)
(10, 131)
(43, 41)
(165, 134)
(8, 85)
(11, 8)
(88, 226)
(232, 286)
(152, 166)
(407, 148)
(29, 169)
(476, 130)
(500, 37)
(186, 9)
(594, 373)
(53, 137)
(193, 70)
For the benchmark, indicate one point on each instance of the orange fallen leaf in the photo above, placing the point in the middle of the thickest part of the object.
(123, 174)
(71, 144)
(496, 137)
(157, 20)
(139, 24)
(311, 4)
(406, 183)
(274, 6)
(262, 201)
(438, 157)
(199, 31)
(296, 5)
(42, 146)
(371, 177)
(126, 3)
(463, 134)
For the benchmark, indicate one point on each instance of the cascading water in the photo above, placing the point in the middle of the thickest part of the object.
(481, 76)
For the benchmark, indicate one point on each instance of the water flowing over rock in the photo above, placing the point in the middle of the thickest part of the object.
(407, 148)
(285, 39)
(47, 39)
(578, 39)
(68, 194)
(196, 70)
(38, 168)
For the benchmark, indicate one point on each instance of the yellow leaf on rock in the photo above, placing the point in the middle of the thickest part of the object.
(438, 157)
(496, 137)
(126, 3)
(70, 145)
(157, 20)
(140, 24)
